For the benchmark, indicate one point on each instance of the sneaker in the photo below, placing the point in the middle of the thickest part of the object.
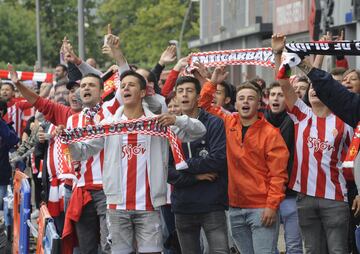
(35, 214)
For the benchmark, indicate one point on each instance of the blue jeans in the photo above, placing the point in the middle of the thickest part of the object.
(289, 217)
(249, 235)
(324, 224)
(3, 192)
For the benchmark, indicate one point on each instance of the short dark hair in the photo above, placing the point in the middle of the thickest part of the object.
(303, 79)
(63, 67)
(250, 85)
(260, 80)
(338, 71)
(141, 79)
(188, 79)
(93, 75)
(229, 91)
(170, 96)
(273, 85)
(8, 84)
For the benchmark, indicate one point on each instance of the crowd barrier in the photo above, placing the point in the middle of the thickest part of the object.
(48, 241)
(21, 213)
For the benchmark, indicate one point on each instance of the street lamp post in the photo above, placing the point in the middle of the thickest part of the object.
(38, 37)
(183, 26)
(81, 29)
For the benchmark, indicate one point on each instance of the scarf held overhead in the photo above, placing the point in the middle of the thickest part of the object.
(145, 126)
(255, 56)
(324, 48)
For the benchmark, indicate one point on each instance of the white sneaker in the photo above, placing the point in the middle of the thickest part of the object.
(35, 214)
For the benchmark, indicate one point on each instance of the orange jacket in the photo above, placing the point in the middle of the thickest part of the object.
(257, 165)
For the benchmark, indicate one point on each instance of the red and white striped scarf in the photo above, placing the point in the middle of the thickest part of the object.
(353, 149)
(145, 126)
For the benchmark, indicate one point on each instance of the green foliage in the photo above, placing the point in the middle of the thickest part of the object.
(17, 35)
(144, 27)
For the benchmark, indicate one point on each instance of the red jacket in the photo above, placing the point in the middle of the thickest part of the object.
(170, 83)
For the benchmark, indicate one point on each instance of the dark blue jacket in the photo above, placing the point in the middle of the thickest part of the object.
(8, 139)
(342, 102)
(206, 155)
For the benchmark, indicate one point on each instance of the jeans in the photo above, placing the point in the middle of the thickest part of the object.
(249, 235)
(3, 192)
(324, 224)
(92, 217)
(142, 226)
(188, 227)
(168, 225)
(289, 217)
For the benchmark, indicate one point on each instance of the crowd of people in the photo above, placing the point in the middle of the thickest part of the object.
(255, 156)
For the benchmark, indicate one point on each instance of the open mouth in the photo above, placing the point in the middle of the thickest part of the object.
(276, 105)
(349, 87)
(245, 109)
(185, 102)
(86, 95)
(127, 95)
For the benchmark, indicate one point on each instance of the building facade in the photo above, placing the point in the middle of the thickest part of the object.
(239, 24)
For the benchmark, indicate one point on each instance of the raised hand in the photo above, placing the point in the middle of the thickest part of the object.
(200, 69)
(278, 42)
(181, 63)
(70, 55)
(219, 75)
(168, 56)
(13, 74)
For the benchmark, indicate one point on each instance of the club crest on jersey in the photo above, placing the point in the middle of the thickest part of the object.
(132, 150)
(318, 144)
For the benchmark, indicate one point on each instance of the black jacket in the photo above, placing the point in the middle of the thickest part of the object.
(8, 139)
(207, 154)
(344, 104)
(286, 126)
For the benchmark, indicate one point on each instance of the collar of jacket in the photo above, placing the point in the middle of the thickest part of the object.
(259, 122)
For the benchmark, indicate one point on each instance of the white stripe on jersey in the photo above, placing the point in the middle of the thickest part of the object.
(90, 170)
(319, 147)
(52, 162)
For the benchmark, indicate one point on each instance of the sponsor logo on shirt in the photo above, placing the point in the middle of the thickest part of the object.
(317, 144)
(130, 150)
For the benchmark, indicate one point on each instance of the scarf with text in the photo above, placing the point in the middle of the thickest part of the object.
(324, 48)
(255, 56)
(146, 126)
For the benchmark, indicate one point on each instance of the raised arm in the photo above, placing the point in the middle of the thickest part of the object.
(27, 93)
(208, 91)
(336, 97)
(173, 75)
(278, 44)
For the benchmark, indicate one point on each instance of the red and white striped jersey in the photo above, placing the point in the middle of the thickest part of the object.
(135, 179)
(26, 115)
(320, 147)
(56, 193)
(90, 174)
(14, 114)
(18, 112)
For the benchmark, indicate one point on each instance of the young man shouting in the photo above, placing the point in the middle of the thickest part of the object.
(135, 172)
(257, 158)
